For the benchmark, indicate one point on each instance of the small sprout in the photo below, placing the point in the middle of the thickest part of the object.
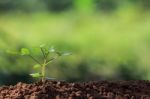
(25, 51)
(46, 59)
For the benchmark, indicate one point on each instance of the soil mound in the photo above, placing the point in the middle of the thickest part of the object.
(85, 90)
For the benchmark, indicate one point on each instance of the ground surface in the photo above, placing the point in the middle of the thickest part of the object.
(87, 90)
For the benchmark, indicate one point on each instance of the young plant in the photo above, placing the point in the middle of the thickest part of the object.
(45, 61)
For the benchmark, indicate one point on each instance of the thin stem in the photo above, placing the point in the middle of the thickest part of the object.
(43, 70)
(35, 60)
(43, 53)
(46, 55)
(53, 58)
(50, 61)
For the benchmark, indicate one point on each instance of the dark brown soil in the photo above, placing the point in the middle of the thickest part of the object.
(87, 90)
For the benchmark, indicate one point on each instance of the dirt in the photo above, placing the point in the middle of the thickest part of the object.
(84, 90)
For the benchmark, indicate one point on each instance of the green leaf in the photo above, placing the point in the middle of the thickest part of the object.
(36, 66)
(52, 50)
(42, 45)
(36, 75)
(66, 54)
(25, 51)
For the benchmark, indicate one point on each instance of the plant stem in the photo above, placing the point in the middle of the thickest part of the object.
(46, 55)
(43, 70)
(43, 53)
(35, 60)
(53, 58)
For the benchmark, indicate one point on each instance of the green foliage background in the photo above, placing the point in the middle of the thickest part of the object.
(109, 39)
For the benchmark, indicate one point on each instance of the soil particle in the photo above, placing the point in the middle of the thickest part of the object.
(85, 90)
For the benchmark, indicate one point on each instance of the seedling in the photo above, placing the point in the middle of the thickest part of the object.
(42, 64)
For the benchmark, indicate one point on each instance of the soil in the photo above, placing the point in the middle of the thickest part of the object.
(84, 90)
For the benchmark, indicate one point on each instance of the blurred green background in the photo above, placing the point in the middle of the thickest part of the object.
(109, 39)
